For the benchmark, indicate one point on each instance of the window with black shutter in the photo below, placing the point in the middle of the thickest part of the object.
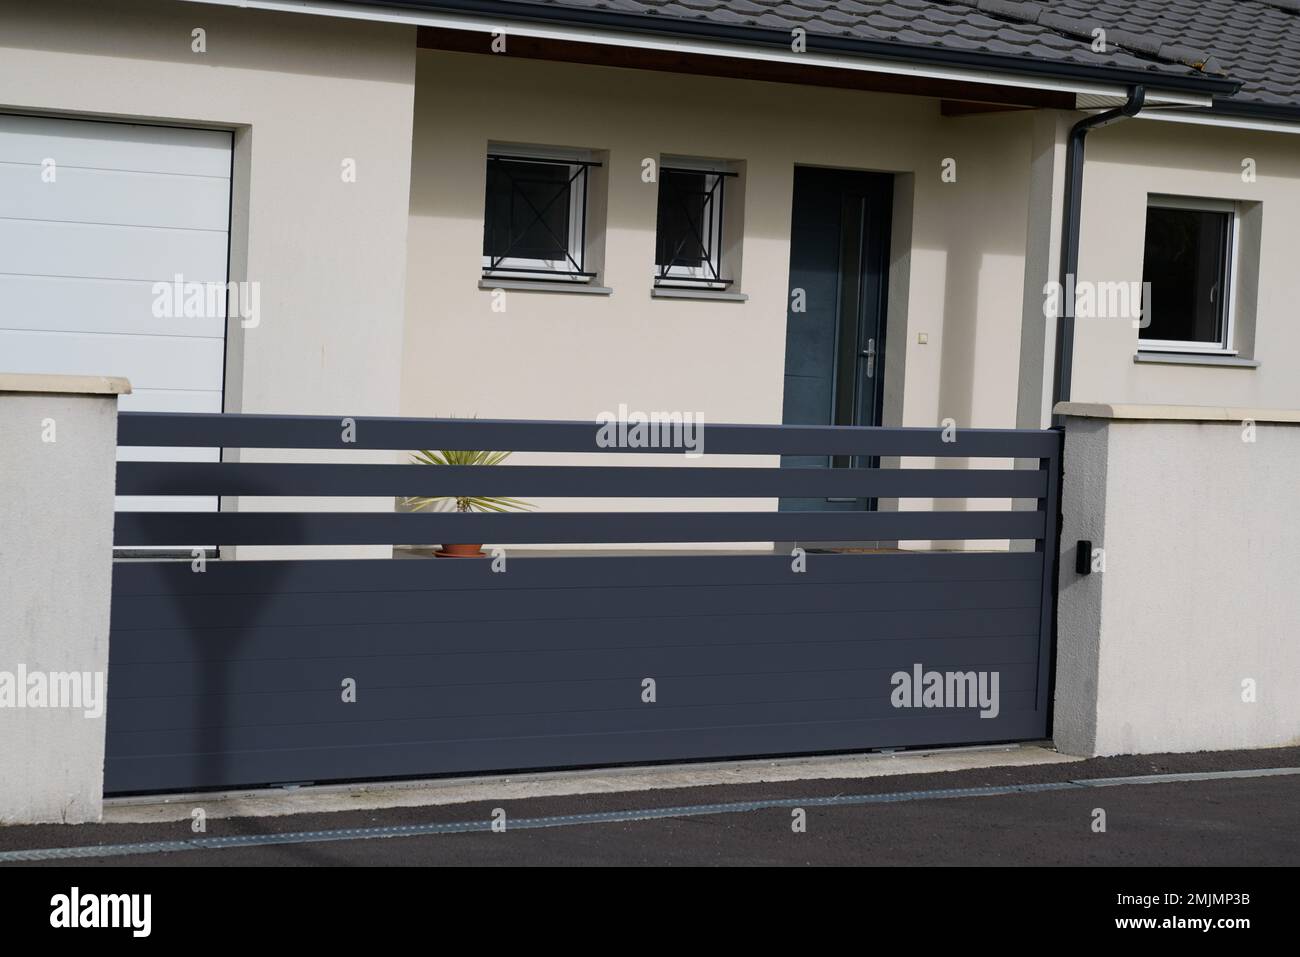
(689, 230)
(535, 217)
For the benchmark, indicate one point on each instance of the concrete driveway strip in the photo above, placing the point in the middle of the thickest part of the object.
(1186, 816)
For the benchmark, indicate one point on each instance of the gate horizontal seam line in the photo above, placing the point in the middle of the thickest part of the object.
(551, 681)
(580, 679)
(661, 707)
(540, 561)
(561, 518)
(890, 637)
(482, 684)
(1032, 576)
(720, 614)
(579, 649)
(576, 679)
(577, 734)
(993, 740)
(672, 709)
(931, 712)
(506, 585)
(139, 568)
(669, 709)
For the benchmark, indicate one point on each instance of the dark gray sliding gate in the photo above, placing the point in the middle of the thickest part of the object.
(234, 675)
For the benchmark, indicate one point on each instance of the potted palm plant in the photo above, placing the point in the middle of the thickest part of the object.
(463, 503)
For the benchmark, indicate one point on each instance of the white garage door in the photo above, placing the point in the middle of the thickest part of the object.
(94, 215)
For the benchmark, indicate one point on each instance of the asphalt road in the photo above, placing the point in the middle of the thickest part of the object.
(1241, 821)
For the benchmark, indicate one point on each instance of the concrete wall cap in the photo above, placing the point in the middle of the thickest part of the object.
(1173, 413)
(65, 384)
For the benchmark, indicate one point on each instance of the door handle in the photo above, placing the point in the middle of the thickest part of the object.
(869, 353)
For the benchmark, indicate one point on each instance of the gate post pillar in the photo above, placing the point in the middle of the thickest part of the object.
(1177, 634)
(1079, 597)
(58, 441)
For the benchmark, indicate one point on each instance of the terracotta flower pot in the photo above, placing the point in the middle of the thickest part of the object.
(461, 551)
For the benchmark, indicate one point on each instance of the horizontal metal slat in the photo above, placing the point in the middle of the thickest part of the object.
(381, 528)
(264, 478)
(551, 604)
(245, 578)
(230, 430)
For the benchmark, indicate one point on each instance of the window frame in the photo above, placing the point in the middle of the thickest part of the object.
(1224, 346)
(708, 275)
(572, 269)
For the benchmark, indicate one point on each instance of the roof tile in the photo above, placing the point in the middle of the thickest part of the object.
(1256, 42)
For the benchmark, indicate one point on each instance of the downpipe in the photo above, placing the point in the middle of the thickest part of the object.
(1063, 368)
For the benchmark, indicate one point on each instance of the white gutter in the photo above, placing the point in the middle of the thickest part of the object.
(1230, 122)
(615, 38)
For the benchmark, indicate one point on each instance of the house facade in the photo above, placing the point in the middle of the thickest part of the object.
(343, 156)
(1062, 229)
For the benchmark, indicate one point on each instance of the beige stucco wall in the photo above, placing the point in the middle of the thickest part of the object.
(57, 438)
(1185, 641)
(1131, 160)
(303, 94)
(959, 269)
(572, 356)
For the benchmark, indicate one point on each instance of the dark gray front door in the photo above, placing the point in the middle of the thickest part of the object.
(835, 318)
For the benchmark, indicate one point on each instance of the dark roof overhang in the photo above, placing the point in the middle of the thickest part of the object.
(1190, 82)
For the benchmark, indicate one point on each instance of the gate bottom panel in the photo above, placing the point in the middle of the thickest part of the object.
(257, 673)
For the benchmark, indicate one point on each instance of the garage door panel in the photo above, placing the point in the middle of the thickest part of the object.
(150, 362)
(127, 206)
(118, 146)
(50, 304)
(113, 197)
(31, 247)
(169, 400)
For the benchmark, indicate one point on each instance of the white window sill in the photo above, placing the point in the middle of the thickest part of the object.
(685, 292)
(1197, 359)
(543, 285)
